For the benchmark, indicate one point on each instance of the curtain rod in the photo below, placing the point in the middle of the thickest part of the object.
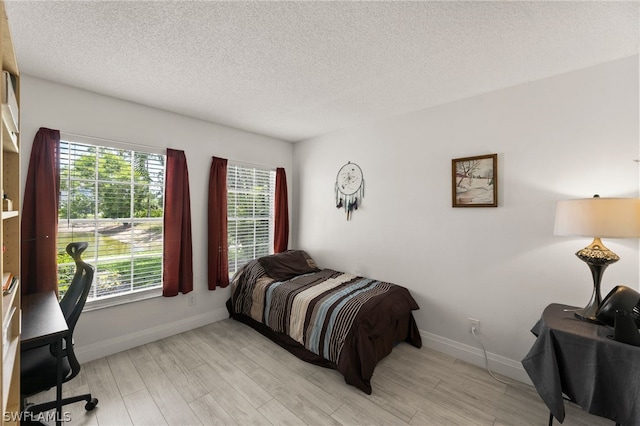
(133, 145)
(253, 165)
(155, 148)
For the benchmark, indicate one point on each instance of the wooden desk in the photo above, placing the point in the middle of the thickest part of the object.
(43, 324)
(577, 358)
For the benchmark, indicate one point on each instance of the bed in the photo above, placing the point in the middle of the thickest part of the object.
(326, 317)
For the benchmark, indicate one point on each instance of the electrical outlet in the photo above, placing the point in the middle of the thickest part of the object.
(474, 324)
(192, 299)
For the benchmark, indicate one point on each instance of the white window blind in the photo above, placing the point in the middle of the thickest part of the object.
(113, 199)
(250, 213)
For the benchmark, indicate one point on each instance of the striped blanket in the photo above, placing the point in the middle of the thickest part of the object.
(320, 311)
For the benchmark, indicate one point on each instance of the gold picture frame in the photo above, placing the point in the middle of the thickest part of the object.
(474, 181)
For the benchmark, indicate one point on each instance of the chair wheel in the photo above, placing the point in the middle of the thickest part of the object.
(91, 404)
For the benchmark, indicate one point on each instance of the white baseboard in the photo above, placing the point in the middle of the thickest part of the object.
(497, 364)
(127, 341)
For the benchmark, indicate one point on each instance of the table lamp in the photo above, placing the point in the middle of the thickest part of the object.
(597, 218)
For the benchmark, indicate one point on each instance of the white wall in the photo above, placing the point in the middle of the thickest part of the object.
(568, 136)
(572, 135)
(44, 104)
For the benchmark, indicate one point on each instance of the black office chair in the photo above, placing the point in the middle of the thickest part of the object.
(38, 365)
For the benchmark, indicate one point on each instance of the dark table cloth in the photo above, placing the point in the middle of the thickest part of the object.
(580, 359)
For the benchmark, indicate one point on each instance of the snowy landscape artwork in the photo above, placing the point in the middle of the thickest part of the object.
(475, 181)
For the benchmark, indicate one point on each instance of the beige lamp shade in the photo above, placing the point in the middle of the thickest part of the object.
(598, 217)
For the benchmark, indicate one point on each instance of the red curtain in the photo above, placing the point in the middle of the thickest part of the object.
(218, 256)
(177, 260)
(281, 231)
(39, 227)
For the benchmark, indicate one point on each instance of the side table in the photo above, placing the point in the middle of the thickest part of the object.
(579, 359)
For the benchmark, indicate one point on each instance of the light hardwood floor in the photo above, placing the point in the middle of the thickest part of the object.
(225, 373)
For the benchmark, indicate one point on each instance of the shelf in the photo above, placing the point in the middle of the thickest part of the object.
(7, 302)
(8, 362)
(10, 231)
(9, 140)
(9, 61)
(11, 331)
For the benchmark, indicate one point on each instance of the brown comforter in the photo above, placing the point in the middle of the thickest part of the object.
(327, 317)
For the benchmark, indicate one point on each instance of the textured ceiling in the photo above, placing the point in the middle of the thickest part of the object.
(294, 70)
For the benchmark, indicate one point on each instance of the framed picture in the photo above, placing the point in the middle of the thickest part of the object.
(474, 181)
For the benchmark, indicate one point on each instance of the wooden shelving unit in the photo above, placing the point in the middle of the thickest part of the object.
(10, 234)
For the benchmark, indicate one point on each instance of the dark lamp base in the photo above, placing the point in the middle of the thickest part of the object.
(587, 314)
(597, 257)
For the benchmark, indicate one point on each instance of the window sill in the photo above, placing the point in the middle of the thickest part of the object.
(116, 300)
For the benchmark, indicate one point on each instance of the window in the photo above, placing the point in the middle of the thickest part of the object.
(113, 199)
(250, 214)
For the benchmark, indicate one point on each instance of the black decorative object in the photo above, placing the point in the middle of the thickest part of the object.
(621, 298)
(625, 329)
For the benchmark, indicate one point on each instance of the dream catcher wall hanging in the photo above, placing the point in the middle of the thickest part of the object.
(349, 188)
